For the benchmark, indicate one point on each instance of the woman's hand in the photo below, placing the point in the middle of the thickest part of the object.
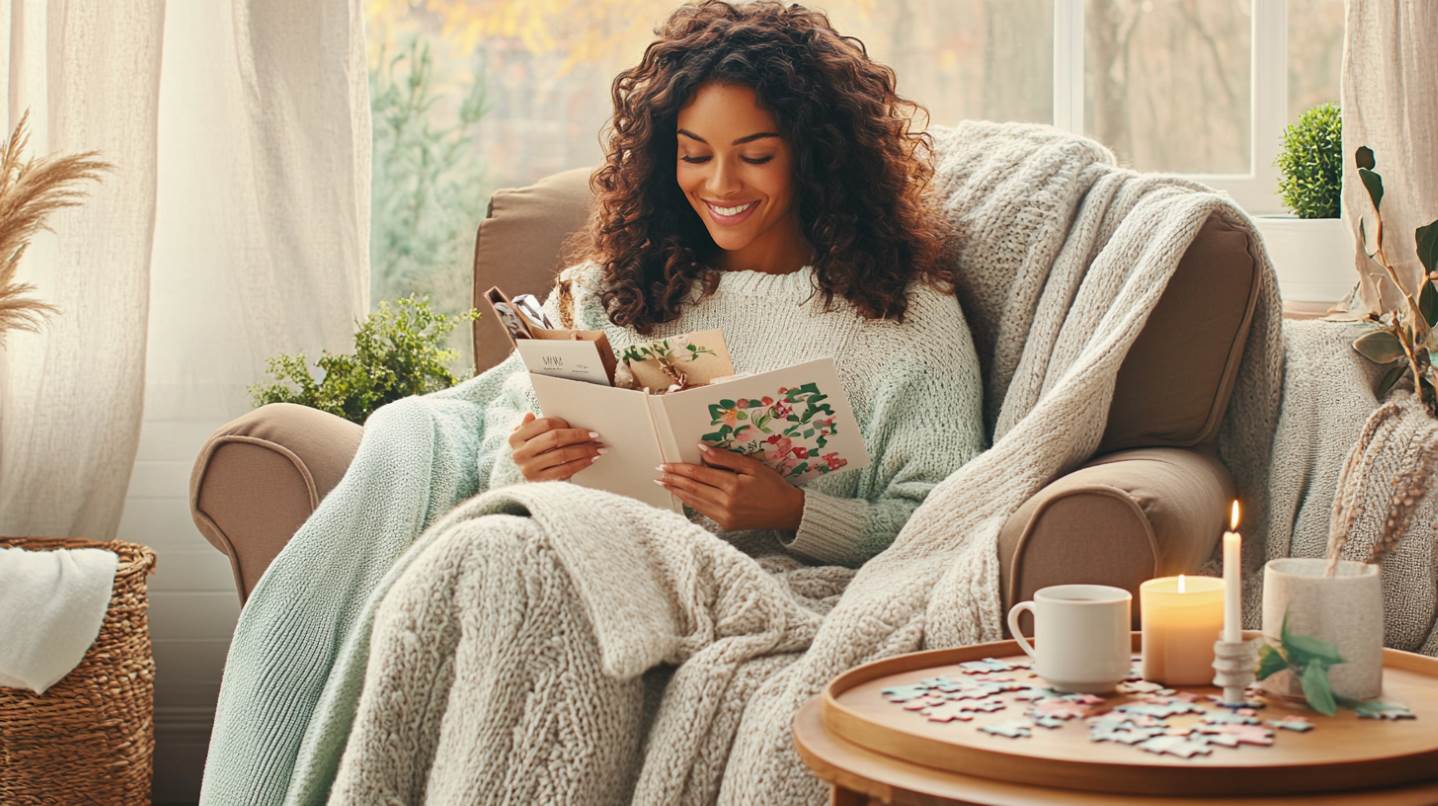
(735, 491)
(547, 449)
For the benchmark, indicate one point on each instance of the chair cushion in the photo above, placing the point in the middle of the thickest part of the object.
(1174, 384)
(519, 248)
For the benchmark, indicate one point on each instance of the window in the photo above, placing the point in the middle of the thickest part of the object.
(474, 95)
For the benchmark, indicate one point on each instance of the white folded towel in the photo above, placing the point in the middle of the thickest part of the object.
(51, 606)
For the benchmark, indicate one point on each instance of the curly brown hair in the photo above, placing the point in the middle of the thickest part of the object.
(860, 170)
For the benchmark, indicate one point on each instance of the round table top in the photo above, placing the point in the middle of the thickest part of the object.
(856, 738)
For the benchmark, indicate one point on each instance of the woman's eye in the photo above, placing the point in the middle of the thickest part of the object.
(695, 159)
(758, 160)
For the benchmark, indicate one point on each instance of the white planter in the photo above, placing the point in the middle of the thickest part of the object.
(1345, 609)
(1314, 257)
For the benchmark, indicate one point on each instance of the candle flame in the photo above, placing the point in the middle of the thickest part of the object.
(1233, 517)
(1180, 583)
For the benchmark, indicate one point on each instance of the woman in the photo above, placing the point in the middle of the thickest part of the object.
(762, 178)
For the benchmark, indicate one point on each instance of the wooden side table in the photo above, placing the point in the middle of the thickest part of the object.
(869, 769)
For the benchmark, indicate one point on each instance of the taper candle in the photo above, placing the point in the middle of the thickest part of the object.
(1232, 579)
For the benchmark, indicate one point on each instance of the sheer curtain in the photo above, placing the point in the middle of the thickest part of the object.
(235, 226)
(1390, 104)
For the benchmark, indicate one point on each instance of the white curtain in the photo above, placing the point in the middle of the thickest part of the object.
(1390, 104)
(235, 226)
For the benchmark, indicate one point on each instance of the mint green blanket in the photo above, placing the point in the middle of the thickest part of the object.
(418, 458)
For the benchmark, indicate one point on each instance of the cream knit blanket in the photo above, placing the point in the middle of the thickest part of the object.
(598, 651)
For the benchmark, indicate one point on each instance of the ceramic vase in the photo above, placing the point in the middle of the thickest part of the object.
(1345, 610)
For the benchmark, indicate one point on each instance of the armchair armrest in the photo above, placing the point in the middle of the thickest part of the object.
(1119, 520)
(259, 476)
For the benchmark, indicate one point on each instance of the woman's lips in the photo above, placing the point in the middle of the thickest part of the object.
(730, 220)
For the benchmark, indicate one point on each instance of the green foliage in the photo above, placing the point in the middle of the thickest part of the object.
(1309, 658)
(1311, 163)
(399, 352)
(428, 193)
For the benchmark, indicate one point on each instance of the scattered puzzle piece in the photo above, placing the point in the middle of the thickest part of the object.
(1384, 710)
(988, 706)
(984, 666)
(1244, 734)
(1160, 710)
(905, 693)
(949, 712)
(920, 703)
(1046, 721)
(1294, 723)
(1138, 687)
(1114, 727)
(1013, 729)
(1038, 693)
(1180, 746)
(1217, 699)
(1084, 699)
(1060, 709)
(1228, 718)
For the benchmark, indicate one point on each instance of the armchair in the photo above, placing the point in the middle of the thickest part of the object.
(1150, 502)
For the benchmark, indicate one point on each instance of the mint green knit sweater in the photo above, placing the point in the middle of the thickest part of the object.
(915, 388)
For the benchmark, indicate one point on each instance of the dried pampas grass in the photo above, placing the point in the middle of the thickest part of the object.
(30, 191)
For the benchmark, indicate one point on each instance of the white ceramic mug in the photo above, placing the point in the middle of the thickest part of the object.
(1082, 633)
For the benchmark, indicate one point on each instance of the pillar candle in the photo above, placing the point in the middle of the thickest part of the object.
(1181, 618)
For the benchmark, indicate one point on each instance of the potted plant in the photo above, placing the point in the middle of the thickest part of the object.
(1310, 247)
(399, 352)
(30, 190)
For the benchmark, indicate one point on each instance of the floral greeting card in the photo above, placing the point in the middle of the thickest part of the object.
(797, 420)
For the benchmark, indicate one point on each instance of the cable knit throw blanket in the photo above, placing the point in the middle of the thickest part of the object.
(548, 643)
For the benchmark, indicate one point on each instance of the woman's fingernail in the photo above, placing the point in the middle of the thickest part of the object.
(662, 468)
(660, 482)
(593, 434)
(703, 447)
(593, 459)
(603, 451)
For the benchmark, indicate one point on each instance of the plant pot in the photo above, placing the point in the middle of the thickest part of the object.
(1345, 610)
(1313, 257)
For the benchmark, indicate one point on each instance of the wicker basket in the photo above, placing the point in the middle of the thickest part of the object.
(90, 738)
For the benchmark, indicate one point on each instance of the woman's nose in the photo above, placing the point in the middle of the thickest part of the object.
(722, 180)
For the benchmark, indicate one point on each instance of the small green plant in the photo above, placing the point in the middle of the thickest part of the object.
(1310, 659)
(1311, 163)
(1404, 340)
(399, 352)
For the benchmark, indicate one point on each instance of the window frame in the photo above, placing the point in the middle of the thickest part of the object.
(1255, 191)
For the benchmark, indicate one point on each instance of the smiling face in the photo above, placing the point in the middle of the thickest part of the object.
(736, 170)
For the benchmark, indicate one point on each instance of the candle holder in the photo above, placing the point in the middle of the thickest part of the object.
(1234, 663)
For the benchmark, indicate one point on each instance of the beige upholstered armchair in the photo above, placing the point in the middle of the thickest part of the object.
(1150, 502)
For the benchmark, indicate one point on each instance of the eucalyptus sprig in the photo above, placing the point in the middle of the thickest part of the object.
(1406, 339)
(1309, 658)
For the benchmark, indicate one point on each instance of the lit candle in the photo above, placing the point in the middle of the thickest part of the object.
(1181, 618)
(1232, 579)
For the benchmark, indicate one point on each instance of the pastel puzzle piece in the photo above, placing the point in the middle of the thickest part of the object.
(934, 682)
(1060, 709)
(1244, 734)
(1046, 721)
(1217, 699)
(1294, 723)
(1384, 710)
(920, 703)
(1229, 718)
(1038, 693)
(988, 706)
(1180, 746)
(1114, 727)
(1013, 728)
(905, 693)
(1138, 687)
(1083, 699)
(949, 712)
(1160, 710)
(985, 666)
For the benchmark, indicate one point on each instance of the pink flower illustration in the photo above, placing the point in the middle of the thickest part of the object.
(802, 453)
(834, 460)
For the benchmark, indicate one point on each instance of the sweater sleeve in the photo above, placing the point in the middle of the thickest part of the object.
(925, 422)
